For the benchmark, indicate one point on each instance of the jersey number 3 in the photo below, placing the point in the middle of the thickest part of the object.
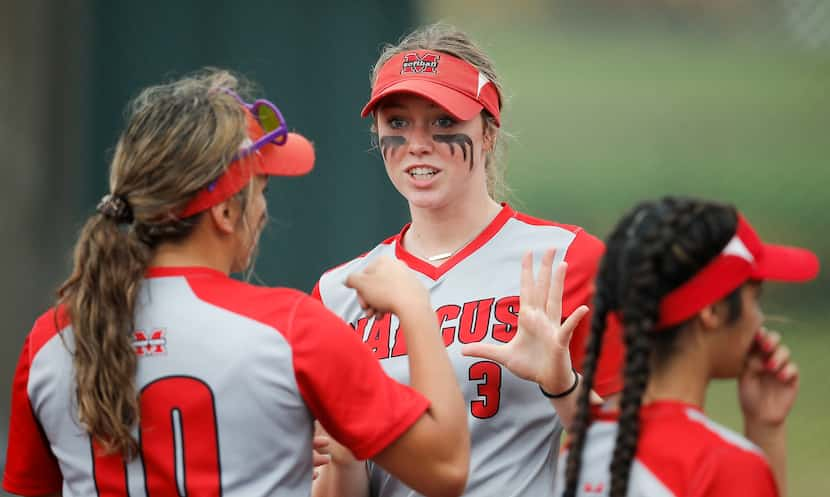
(178, 443)
(489, 389)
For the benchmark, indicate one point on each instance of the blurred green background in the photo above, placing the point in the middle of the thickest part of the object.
(609, 102)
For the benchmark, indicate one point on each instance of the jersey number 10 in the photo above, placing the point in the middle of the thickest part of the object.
(178, 443)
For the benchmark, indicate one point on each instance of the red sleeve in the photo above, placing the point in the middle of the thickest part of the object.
(345, 386)
(583, 258)
(31, 468)
(315, 292)
(728, 471)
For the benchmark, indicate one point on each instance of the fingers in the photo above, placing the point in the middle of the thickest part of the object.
(543, 281)
(320, 459)
(320, 456)
(778, 357)
(788, 373)
(546, 288)
(495, 353)
(320, 442)
(359, 279)
(755, 365)
(541, 291)
(554, 303)
(775, 357)
(566, 331)
(354, 280)
(369, 310)
(594, 399)
(767, 340)
(526, 286)
(778, 362)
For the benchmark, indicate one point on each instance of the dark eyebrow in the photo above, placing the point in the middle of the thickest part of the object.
(393, 105)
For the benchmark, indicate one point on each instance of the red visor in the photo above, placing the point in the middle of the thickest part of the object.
(450, 82)
(295, 157)
(745, 257)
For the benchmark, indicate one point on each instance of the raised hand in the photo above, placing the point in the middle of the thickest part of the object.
(539, 350)
(768, 385)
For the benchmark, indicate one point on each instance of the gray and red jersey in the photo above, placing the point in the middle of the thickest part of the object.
(231, 377)
(680, 452)
(475, 293)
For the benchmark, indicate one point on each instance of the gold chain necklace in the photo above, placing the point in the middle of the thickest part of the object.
(446, 255)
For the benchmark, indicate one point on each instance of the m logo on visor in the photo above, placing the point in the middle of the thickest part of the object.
(412, 63)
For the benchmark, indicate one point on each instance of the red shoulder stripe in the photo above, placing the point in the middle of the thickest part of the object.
(46, 327)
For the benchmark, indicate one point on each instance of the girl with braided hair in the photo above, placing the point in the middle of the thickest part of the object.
(684, 278)
(157, 374)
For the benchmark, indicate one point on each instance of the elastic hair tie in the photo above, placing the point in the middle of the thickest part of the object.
(115, 207)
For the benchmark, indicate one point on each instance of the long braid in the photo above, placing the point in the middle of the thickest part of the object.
(604, 302)
(581, 419)
(639, 301)
(654, 249)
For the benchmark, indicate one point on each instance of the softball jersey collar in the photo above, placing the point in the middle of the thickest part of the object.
(188, 271)
(435, 272)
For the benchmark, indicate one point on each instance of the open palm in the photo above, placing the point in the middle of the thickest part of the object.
(539, 351)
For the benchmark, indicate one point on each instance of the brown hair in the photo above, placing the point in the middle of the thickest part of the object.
(179, 137)
(450, 40)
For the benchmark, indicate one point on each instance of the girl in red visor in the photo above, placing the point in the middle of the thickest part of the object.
(684, 277)
(436, 109)
(157, 374)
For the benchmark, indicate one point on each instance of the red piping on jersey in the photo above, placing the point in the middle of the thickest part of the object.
(19, 472)
(650, 410)
(535, 221)
(435, 272)
(188, 271)
(46, 327)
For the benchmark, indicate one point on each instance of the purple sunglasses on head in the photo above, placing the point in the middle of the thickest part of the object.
(269, 117)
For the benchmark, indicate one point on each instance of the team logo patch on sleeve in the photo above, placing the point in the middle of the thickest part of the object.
(154, 343)
(427, 63)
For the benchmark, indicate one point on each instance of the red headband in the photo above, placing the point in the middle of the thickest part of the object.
(293, 158)
(452, 83)
(745, 257)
